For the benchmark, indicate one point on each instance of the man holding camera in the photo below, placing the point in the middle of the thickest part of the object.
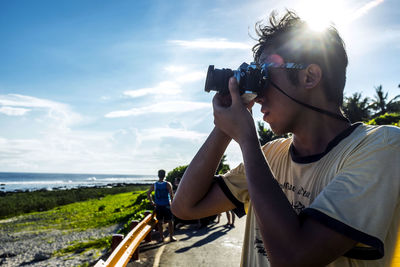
(323, 196)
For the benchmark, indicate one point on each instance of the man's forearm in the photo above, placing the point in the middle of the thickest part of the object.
(278, 222)
(199, 175)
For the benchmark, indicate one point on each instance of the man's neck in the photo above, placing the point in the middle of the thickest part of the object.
(314, 136)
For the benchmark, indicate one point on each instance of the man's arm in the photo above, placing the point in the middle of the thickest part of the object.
(308, 242)
(197, 196)
(288, 241)
(171, 192)
(151, 189)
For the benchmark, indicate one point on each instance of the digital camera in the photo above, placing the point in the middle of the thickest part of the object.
(251, 79)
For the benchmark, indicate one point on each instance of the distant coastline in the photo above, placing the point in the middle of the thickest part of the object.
(25, 181)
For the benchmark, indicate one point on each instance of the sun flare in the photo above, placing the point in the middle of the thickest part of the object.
(320, 14)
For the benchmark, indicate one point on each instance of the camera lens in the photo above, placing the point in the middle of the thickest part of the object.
(217, 80)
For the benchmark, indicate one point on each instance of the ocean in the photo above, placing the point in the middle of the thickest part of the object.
(16, 181)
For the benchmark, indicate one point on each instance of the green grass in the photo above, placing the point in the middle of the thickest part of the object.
(81, 247)
(17, 203)
(93, 213)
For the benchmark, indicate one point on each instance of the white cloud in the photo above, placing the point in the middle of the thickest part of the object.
(163, 88)
(217, 43)
(365, 9)
(15, 104)
(191, 77)
(163, 107)
(71, 151)
(168, 87)
(175, 69)
(10, 111)
(157, 133)
(28, 101)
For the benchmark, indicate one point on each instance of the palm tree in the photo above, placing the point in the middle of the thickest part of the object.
(356, 108)
(394, 106)
(380, 103)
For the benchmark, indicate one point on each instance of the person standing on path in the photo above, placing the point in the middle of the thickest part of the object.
(163, 196)
(229, 214)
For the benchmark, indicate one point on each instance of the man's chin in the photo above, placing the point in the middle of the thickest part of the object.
(277, 131)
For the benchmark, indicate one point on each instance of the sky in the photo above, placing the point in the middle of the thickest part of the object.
(95, 86)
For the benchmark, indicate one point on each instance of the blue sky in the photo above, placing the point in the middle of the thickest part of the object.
(118, 86)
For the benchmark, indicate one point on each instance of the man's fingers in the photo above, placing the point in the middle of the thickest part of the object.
(234, 90)
(222, 100)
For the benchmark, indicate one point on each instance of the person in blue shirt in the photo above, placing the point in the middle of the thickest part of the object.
(163, 195)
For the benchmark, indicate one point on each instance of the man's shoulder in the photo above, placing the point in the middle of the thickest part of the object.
(280, 144)
(386, 135)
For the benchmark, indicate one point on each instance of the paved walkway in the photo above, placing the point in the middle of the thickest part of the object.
(216, 245)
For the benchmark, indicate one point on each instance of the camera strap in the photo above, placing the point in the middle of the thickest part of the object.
(323, 111)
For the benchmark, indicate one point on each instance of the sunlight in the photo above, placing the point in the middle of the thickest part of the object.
(320, 14)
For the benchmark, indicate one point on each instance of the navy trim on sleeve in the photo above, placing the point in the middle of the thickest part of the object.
(374, 252)
(239, 210)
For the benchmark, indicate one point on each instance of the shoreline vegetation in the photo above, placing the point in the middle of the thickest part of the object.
(70, 227)
(14, 203)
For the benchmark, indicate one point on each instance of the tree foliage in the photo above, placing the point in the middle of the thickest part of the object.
(179, 171)
(176, 173)
(265, 135)
(358, 108)
(222, 167)
(381, 105)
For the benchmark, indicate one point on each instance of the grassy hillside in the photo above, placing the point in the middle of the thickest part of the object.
(16, 203)
(79, 216)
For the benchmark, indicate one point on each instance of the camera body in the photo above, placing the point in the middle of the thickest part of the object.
(251, 78)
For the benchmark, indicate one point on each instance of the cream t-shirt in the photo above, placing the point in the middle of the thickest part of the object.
(353, 188)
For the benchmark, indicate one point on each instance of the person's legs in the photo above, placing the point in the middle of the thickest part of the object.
(160, 230)
(228, 216)
(233, 218)
(171, 231)
(168, 218)
(160, 214)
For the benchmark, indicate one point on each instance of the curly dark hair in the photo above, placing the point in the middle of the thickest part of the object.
(292, 39)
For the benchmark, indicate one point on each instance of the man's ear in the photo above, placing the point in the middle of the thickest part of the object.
(311, 76)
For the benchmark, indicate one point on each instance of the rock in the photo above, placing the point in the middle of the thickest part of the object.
(41, 256)
(7, 255)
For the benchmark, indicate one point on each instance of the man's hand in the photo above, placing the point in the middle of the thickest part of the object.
(234, 117)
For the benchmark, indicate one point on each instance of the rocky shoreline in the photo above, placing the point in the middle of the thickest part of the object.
(36, 248)
(40, 238)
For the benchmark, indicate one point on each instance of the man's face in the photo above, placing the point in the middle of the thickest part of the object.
(279, 111)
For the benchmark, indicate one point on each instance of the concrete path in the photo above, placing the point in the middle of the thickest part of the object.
(216, 245)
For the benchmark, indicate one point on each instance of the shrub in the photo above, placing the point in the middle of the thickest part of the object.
(101, 208)
(386, 119)
(176, 173)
